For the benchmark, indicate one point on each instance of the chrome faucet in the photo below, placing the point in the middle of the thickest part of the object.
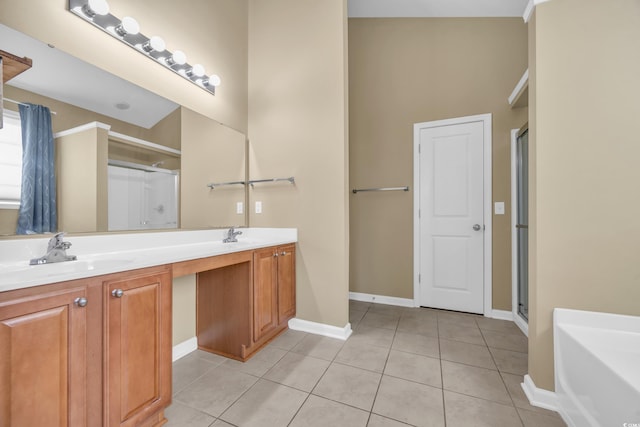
(56, 251)
(231, 236)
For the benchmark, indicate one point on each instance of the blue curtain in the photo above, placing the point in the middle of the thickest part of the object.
(38, 210)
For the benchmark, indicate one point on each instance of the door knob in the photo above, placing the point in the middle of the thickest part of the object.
(80, 301)
(476, 227)
(117, 293)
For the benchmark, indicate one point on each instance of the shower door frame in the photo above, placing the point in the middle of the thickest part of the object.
(519, 321)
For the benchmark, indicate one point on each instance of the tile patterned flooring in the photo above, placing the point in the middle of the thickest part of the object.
(401, 366)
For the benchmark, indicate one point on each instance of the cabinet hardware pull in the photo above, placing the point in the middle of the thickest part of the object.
(117, 293)
(283, 254)
(80, 301)
(276, 254)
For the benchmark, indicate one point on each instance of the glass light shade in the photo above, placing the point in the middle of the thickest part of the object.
(198, 70)
(98, 7)
(155, 43)
(179, 57)
(214, 80)
(130, 25)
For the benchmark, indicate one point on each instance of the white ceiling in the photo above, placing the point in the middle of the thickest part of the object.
(60, 76)
(435, 8)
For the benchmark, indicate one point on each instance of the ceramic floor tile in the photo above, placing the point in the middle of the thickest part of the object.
(413, 367)
(265, 404)
(473, 381)
(511, 362)
(464, 333)
(500, 340)
(355, 316)
(376, 420)
(220, 423)
(462, 319)
(319, 412)
(514, 387)
(386, 309)
(417, 344)
(372, 336)
(420, 312)
(349, 385)
(369, 357)
(359, 305)
(419, 325)
(465, 411)
(179, 415)
(380, 320)
(259, 364)
(215, 391)
(538, 419)
(468, 354)
(298, 371)
(288, 339)
(409, 402)
(319, 347)
(188, 369)
(505, 326)
(208, 356)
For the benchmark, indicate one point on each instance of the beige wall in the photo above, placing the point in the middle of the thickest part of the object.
(211, 153)
(212, 32)
(184, 312)
(406, 71)
(587, 64)
(297, 122)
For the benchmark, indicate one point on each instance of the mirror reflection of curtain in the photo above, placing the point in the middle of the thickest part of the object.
(38, 210)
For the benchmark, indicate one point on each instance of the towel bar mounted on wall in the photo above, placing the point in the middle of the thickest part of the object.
(291, 179)
(213, 185)
(362, 190)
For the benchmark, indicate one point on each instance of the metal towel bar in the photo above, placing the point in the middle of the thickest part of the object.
(360, 190)
(291, 179)
(220, 184)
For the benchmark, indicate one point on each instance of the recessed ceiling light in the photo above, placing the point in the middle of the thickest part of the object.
(123, 106)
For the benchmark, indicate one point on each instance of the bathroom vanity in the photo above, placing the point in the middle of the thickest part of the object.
(88, 342)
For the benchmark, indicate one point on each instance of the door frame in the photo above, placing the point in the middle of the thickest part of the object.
(519, 321)
(487, 202)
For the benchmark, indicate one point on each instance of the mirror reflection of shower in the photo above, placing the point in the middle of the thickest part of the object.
(142, 197)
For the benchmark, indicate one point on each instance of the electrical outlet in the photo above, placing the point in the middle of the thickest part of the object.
(499, 208)
(239, 207)
(258, 207)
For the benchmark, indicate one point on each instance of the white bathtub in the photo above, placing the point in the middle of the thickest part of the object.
(597, 368)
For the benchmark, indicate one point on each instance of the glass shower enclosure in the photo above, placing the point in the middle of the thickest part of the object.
(522, 222)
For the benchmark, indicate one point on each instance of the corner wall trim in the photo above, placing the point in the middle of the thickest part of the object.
(321, 329)
(501, 314)
(539, 397)
(528, 11)
(184, 348)
(381, 299)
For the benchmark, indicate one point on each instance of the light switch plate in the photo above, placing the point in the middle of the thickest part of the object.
(258, 207)
(239, 207)
(499, 208)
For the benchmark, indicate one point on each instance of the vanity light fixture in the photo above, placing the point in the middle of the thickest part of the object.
(127, 30)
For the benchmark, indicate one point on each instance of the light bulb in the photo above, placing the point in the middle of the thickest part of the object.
(198, 70)
(155, 43)
(96, 7)
(128, 26)
(214, 80)
(178, 58)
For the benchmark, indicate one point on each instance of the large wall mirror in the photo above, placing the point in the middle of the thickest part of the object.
(126, 159)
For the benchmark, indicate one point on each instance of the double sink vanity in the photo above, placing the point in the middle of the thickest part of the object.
(89, 341)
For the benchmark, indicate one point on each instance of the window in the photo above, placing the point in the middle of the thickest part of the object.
(10, 161)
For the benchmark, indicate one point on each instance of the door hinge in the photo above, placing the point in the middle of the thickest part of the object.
(419, 213)
(419, 278)
(419, 148)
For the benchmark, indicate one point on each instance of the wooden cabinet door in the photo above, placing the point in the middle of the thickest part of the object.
(138, 348)
(286, 283)
(265, 293)
(43, 360)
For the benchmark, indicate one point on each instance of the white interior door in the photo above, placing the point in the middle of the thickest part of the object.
(451, 216)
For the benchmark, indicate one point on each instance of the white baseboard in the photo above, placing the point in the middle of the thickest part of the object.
(381, 299)
(539, 397)
(184, 348)
(320, 328)
(501, 314)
